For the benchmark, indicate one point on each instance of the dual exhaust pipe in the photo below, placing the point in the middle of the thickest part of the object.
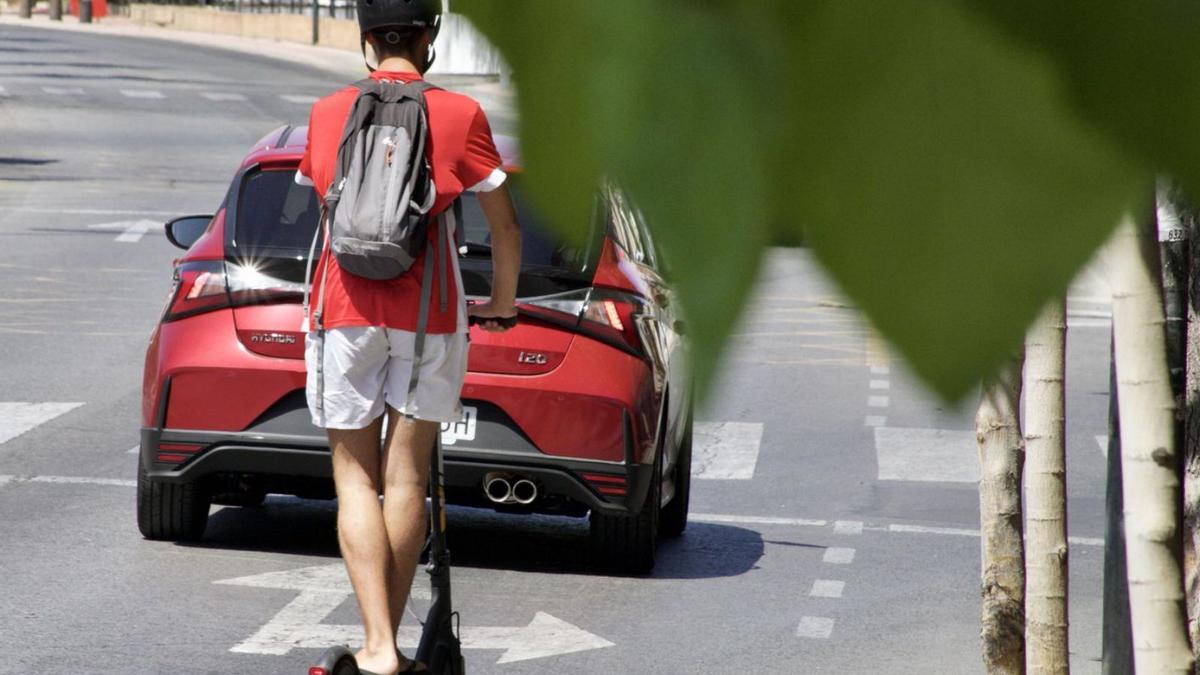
(506, 488)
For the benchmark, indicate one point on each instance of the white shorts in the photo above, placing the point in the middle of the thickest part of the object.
(370, 365)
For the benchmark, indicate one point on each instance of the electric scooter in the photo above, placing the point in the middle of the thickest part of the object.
(440, 649)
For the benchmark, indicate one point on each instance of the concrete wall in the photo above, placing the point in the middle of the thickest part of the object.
(461, 49)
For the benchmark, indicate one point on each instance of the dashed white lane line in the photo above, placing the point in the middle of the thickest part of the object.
(880, 384)
(63, 91)
(926, 455)
(222, 96)
(142, 93)
(1102, 441)
(69, 480)
(725, 450)
(874, 420)
(850, 527)
(827, 588)
(17, 418)
(134, 450)
(880, 370)
(838, 555)
(754, 520)
(816, 627)
(878, 401)
(298, 98)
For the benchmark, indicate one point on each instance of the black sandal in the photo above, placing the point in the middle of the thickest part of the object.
(412, 665)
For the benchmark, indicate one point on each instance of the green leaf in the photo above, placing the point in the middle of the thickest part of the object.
(935, 165)
(1130, 67)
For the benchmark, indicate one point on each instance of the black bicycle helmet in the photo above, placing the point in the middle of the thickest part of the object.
(376, 14)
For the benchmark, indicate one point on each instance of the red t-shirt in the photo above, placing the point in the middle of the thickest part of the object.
(463, 156)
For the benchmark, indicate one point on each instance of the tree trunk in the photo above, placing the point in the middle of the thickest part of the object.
(1151, 483)
(56, 10)
(1046, 492)
(1117, 650)
(1191, 446)
(26, 9)
(1001, 456)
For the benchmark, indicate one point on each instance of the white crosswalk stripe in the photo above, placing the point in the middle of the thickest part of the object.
(17, 418)
(926, 455)
(142, 93)
(725, 450)
(222, 96)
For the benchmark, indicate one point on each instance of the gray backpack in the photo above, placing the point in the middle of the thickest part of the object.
(377, 208)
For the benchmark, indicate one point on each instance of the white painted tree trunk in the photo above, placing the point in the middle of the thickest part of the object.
(1002, 577)
(1150, 480)
(1046, 493)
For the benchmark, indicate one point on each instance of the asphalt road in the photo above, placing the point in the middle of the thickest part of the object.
(834, 511)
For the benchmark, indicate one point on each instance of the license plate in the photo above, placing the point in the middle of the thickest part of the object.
(462, 430)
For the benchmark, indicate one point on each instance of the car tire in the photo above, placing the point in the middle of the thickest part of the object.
(628, 544)
(170, 511)
(674, 518)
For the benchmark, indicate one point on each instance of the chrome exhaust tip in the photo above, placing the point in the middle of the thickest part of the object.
(524, 491)
(497, 488)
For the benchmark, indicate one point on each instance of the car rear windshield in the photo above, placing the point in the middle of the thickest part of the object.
(542, 250)
(275, 216)
(276, 219)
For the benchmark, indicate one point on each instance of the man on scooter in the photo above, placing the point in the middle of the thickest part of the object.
(370, 325)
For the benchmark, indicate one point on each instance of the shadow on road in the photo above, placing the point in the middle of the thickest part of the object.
(483, 539)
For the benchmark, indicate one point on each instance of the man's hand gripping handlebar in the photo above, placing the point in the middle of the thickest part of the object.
(491, 319)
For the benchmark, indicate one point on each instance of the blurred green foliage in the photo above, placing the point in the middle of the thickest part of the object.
(950, 165)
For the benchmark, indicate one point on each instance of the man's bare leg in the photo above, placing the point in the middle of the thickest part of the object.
(364, 540)
(405, 484)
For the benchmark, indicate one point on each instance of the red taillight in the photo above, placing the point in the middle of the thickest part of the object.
(198, 287)
(317, 670)
(600, 313)
(205, 286)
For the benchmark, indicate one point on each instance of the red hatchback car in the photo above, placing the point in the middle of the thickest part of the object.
(583, 409)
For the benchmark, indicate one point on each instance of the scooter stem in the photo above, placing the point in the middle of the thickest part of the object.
(439, 648)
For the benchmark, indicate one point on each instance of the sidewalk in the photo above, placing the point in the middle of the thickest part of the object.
(497, 100)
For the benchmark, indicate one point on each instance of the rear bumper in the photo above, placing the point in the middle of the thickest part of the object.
(279, 459)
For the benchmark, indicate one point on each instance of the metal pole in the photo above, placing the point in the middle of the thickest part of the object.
(56, 10)
(316, 17)
(85, 11)
(26, 9)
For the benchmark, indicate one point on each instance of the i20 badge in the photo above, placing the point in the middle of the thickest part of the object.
(532, 358)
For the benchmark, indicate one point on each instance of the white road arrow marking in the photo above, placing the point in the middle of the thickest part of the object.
(17, 418)
(131, 230)
(324, 588)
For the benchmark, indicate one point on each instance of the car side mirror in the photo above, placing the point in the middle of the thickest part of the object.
(183, 232)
